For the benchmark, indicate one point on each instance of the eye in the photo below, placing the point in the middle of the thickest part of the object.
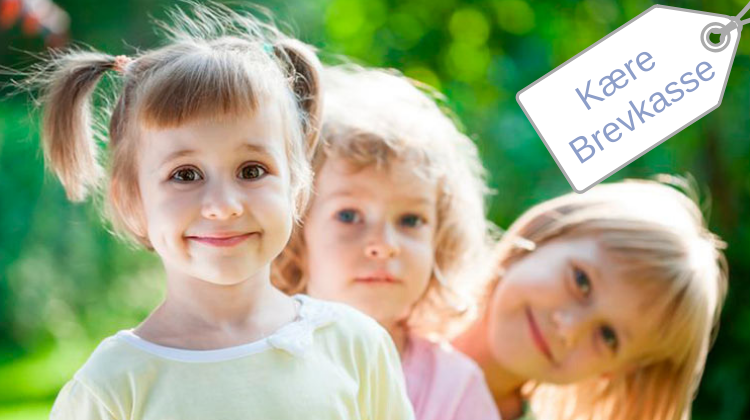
(348, 216)
(412, 220)
(186, 174)
(252, 171)
(582, 282)
(609, 337)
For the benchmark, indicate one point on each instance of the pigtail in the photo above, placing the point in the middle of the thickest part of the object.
(67, 137)
(304, 71)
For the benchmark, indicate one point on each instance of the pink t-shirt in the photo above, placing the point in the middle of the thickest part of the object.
(444, 384)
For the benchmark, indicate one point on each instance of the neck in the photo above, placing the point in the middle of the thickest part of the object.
(199, 314)
(474, 343)
(399, 335)
(216, 304)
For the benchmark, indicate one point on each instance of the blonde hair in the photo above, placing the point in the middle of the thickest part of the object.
(378, 117)
(659, 237)
(216, 63)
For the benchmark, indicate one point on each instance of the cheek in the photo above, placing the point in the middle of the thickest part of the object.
(171, 213)
(326, 253)
(272, 210)
(421, 256)
(585, 363)
(532, 282)
(507, 335)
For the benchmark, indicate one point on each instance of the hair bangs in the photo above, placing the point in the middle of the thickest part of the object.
(203, 84)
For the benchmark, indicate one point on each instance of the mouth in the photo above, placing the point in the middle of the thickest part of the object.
(380, 277)
(222, 240)
(538, 338)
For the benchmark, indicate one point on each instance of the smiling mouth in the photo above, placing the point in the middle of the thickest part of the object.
(539, 340)
(222, 241)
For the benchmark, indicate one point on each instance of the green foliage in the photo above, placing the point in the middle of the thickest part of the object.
(65, 282)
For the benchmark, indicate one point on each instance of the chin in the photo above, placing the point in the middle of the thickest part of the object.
(228, 276)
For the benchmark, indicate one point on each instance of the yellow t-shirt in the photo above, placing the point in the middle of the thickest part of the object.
(332, 362)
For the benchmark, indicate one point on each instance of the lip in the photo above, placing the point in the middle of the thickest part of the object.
(539, 340)
(378, 277)
(222, 239)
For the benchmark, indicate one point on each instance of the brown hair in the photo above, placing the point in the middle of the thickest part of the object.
(378, 117)
(658, 236)
(217, 63)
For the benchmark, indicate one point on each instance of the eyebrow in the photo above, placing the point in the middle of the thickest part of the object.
(350, 193)
(178, 154)
(255, 148)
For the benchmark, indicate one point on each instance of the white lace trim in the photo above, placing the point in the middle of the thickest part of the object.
(296, 337)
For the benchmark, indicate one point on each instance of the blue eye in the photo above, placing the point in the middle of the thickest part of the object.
(412, 220)
(348, 216)
(609, 337)
(186, 174)
(582, 281)
(252, 171)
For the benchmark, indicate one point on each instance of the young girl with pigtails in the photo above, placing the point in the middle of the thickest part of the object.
(208, 149)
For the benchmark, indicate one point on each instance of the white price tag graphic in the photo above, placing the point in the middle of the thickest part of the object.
(633, 89)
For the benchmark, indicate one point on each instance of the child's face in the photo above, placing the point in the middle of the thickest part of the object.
(369, 238)
(216, 196)
(564, 313)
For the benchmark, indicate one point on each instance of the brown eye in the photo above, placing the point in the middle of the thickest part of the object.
(609, 337)
(583, 284)
(252, 172)
(186, 175)
(412, 220)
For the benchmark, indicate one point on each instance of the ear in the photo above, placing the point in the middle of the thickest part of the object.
(305, 69)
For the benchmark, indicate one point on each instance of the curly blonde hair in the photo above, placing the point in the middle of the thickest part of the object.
(378, 117)
(659, 237)
(216, 63)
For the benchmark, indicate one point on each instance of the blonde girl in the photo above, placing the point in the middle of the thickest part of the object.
(394, 229)
(208, 140)
(605, 306)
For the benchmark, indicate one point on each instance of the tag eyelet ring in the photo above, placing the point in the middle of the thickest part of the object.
(708, 44)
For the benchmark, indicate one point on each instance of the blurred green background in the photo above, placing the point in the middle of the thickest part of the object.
(66, 283)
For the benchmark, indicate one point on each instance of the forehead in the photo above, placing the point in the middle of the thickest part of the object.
(397, 181)
(259, 130)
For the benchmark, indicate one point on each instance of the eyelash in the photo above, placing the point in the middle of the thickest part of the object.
(578, 275)
(421, 221)
(605, 333)
(186, 169)
(355, 213)
(199, 176)
(260, 167)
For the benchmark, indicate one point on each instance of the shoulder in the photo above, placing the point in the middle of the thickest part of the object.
(77, 401)
(350, 337)
(114, 359)
(104, 383)
(347, 322)
(444, 383)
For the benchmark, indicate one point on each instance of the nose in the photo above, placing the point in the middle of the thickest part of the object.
(221, 202)
(570, 325)
(382, 243)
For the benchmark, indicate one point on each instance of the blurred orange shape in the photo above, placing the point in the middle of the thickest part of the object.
(10, 10)
(30, 25)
